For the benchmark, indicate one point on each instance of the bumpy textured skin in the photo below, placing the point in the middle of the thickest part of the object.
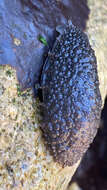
(71, 97)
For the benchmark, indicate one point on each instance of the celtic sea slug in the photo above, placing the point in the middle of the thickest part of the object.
(71, 97)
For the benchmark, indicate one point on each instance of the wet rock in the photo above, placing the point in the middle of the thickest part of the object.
(21, 24)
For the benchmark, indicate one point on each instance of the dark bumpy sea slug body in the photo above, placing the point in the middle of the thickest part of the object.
(71, 97)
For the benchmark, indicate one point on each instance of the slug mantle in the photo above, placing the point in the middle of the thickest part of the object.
(71, 97)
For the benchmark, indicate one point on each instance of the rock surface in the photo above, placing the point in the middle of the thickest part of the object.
(20, 46)
(97, 33)
(25, 163)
